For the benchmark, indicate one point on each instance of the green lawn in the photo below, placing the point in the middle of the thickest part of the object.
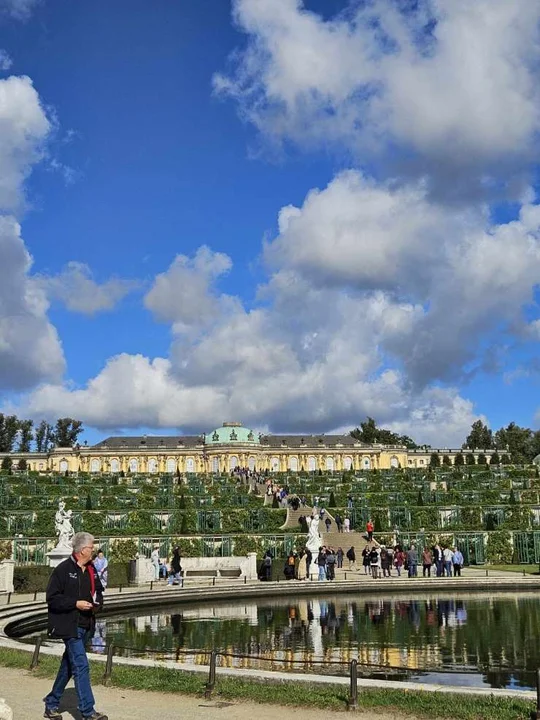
(424, 705)
(527, 569)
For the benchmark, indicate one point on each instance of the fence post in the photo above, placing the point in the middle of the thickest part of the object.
(35, 657)
(535, 714)
(108, 665)
(151, 584)
(211, 675)
(353, 688)
(35, 595)
(8, 599)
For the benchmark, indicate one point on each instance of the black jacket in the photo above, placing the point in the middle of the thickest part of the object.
(63, 592)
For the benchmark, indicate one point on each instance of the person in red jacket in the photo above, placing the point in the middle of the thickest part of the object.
(369, 528)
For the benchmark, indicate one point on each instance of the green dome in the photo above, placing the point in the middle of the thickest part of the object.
(231, 433)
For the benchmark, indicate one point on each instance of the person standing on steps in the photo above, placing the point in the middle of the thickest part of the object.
(351, 557)
(74, 595)
(369, 528)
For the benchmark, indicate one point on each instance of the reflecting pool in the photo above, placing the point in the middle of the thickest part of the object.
(490, 640)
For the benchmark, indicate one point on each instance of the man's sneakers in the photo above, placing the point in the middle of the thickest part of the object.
(96, 716)
(52, 714)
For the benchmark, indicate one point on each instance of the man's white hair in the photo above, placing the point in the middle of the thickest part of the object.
(80, 540)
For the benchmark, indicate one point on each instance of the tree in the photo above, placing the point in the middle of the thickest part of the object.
(512, 499)
(470, 459)
(505, 460)
(332, 500)
(479, 437)
(22, 465)
(7, 463)
(495, 459)
(435, 460)
(482, 460)
(9, 427)
(369, 433)
(89, 502)
(66, 432)
(459, 460)
(420, 499)
(518, 441)
(26, 435)
(43, 437)
(446, 460)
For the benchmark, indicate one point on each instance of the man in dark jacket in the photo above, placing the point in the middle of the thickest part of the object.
(74, 594)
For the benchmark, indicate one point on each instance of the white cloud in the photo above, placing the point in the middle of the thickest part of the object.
(459, 275)
(184, 294)
(5, 61)
(17, 9)
(452, 83)
(76, 288)
(310, 360)
(30, 350)
(24, 128)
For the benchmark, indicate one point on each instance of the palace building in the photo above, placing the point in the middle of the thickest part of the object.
(229, 446)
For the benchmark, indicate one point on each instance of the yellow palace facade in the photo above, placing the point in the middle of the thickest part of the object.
(227, 447)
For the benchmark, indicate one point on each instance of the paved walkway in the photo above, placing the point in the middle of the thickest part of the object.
(24, 693)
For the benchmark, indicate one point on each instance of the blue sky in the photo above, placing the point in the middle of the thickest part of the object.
(180, 125)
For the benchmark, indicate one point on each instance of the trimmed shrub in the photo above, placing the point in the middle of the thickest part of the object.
(31, 578)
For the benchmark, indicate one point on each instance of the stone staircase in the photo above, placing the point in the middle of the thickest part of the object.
(345, 541)
(292, 520)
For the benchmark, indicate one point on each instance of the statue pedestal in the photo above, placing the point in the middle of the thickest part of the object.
(6, 577)
(58, 554)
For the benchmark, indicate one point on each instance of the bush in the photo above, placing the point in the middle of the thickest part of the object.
(118, 574)
(5, 550)
(498, 548)
(31, 578)
(122, 551)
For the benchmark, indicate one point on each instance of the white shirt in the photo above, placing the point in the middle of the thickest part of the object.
(448, 555)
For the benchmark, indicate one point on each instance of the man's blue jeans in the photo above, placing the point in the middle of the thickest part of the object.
(74, 664)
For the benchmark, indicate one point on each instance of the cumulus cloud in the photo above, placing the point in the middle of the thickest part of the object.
(5, 61)
(24, 128)
(461, 275)
(308, 360)
(30, 350)
(184, 295)
(76, 288)
(448, 85)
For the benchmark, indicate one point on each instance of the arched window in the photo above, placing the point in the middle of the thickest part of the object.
(171, 465)
(152, 465)
(347, 462)
(293, 464)
(251, 463)
(330, 464)
(233, 462)
(41, 466)
(394, 462)
(312, 463)
(95, 465)
(366, 463)
(274, 464)
(133, 465)
(115, 465)
(63, 465)
(190, 465)
(215, 464)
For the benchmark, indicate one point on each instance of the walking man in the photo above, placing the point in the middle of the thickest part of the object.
(457, 561)
(74, 594)
(412, 561)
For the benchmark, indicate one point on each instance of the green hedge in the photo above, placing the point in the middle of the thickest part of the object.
(29, 579)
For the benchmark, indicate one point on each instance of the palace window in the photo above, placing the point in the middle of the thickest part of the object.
(312, 463)
(115, 465)
(347, 462)
(171, 465)
(95, 465)
(293, 464)
(133, 465)
(190, 465)
(251, 463)
(330, 464)
(233, 462)
(274, 464)
(366, 463)
(152, 465)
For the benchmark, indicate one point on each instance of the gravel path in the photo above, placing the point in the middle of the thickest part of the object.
(24, 692)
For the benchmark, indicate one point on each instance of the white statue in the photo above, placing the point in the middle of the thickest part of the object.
(63, 526)
(314, 540)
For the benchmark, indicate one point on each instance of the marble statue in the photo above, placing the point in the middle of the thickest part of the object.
(63, 526)
(314, 540)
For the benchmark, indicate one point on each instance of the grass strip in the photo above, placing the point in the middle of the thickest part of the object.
(403, 703)
(527, 569)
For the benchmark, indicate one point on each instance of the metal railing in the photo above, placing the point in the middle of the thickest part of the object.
(352, 667)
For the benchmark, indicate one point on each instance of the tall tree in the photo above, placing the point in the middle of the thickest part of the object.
(44, 436)
(26, 435)
(435, 460)
(519, 442)
(66, 432)
(480, 437)
(9, 427)
(369, 433)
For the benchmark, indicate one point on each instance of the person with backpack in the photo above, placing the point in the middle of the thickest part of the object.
(351, 557)
(288, 571)
(399, 559)
(375, 562)
(339, 523)
(339, 557)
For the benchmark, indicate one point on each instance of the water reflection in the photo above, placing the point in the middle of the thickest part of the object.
(458, 633)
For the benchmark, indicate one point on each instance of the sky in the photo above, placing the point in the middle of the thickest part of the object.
(289, 214)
